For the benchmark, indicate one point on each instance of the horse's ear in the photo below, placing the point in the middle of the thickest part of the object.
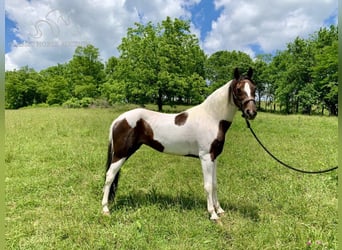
(250, 73)
(236, 74)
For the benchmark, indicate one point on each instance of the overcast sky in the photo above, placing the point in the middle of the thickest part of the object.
(42, 33)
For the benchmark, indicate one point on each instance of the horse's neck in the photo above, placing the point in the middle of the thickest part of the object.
(220, 105)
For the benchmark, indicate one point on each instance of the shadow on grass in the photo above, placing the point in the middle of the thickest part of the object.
(181, 201)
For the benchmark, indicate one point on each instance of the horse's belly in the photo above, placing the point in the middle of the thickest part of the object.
(178, 142)
(181, 148)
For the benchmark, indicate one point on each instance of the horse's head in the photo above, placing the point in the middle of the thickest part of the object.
(243, 91)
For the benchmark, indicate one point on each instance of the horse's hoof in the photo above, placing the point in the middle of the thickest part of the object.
(218, 222)
(106, 213)
(214, 217)
(222, 214)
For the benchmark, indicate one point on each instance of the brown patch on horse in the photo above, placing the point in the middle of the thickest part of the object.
(127, 140)
(217, 145)
(122, 139)
(181, 118)
(145, 135)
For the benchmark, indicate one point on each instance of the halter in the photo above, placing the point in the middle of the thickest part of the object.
(247, 100)
(243, 102)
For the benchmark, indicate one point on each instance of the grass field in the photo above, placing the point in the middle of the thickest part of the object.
(55, 161)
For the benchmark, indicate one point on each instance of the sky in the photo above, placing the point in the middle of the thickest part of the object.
(43, 33)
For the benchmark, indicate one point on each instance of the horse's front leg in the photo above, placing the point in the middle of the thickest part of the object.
(208, 168)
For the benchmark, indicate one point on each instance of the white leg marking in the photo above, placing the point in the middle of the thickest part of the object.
(110, 175)
(208, 174)
(217, 206)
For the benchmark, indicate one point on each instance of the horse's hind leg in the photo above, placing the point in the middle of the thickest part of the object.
(110, 176)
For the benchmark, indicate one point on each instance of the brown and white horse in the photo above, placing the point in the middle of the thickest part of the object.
(197, 132)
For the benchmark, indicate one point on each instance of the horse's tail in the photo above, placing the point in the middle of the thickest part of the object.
(114, 185)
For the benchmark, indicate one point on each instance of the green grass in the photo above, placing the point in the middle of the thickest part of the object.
(55, 171)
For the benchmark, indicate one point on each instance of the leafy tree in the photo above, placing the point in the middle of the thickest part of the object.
(305, 74)
(155, 61)
(325, 74)
(220, 66)
(58, 91)
(110, 66)
(261, 76)
(299, 74)
(23, 88)
(325, 70)
(57, 88)
(292, 76)
(113, 91)
(86, 72)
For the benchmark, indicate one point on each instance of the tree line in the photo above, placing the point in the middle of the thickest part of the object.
(164, 64)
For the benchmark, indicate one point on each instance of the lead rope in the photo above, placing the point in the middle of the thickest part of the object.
(281, 162)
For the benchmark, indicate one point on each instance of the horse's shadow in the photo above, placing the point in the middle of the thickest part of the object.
(182, 202)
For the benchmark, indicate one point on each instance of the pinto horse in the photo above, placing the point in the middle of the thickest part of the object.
(198, 132)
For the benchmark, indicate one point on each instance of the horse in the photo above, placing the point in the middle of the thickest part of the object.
(197, 132)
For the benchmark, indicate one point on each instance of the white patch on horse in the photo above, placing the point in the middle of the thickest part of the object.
(247, 89)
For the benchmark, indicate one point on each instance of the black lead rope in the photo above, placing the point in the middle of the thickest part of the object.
(284, 164)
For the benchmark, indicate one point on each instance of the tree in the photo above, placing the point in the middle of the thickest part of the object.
(156, 61)
(325, 74)
(261, 77)
(325, 70)
(86, 72)
(110, 67)
(292, 77)
(305, 74)
(113, 91)
(23, 88)
(299, 75)
(57, 88)
(220, 67)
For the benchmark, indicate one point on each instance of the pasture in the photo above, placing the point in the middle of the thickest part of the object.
(55, 163)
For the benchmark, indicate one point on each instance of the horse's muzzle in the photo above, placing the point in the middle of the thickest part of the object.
(250, 114)
(249, 110)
